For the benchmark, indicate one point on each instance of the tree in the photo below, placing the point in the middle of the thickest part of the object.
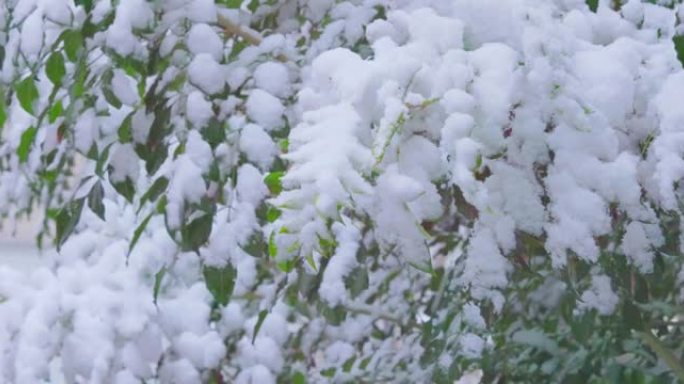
(350, 191)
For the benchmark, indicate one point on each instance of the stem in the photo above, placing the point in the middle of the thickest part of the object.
(249, 35)
(663, 353)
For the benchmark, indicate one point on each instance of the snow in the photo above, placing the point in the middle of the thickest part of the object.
(198, 109)
(32, 34)
(600, 296)
(485, 138)
(141, 122)
(265, 109)
(86, 131)
(123, 87)
(124, 163)
(273, 78)
(207, 74)
(257, 145)
(341, 263)
(203, 39)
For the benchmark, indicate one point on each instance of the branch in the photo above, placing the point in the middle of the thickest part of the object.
(231, 28)
(247, 34)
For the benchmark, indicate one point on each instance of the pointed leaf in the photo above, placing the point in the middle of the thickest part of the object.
(259, 323)
(25, 144)
(54, 68)
(220, 282)
(95, 200)
(27, 93)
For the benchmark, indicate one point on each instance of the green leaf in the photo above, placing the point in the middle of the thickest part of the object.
(124, 131)
(196, 233)
(329, 372)
(55, 68)
(357, 281)
(347, 366)
(272, 214)
(25, 143)
(273, 182)
(3, 113)
(679, 47)
(55, 111)
(298, 378)
(111, 97)
(233, 4)
(73, 42)
(157, 188)
(27, 93)
(157, 283)
(272, 246)
(312, 263)
(593, 5)
(286, 266)
(138, 232)
(125, 188)
(334, 315)
(87, 4)
(102, 159)
(214, 133)
(95, 200)
(220, 282)
(66, 220)
(259, 323)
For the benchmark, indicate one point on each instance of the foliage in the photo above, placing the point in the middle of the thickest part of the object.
(352, 191)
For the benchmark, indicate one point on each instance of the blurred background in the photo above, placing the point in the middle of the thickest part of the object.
(18, 248)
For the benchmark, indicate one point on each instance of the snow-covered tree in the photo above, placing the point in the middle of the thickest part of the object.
(305, 191)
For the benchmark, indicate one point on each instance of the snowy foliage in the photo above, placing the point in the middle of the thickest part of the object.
(344, 191)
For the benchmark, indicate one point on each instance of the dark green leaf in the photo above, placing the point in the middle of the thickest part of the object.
(157, 283)
(87, 4)
(66, 220)
(25, 143)
(357, 281)
(3, 113)
(124, 131)
(259, 323)
(111, 97)
(592, 4)
(55, 68)
(196, 233)
(214, 133)
(220, 282)
(95, 200)
(27, 93)
(73, 42)
(329, 372)
(125, 188)
(334, 315)
(138, 232)
(347, 366)
(679, 47)
(102, 159)
(157, 188)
